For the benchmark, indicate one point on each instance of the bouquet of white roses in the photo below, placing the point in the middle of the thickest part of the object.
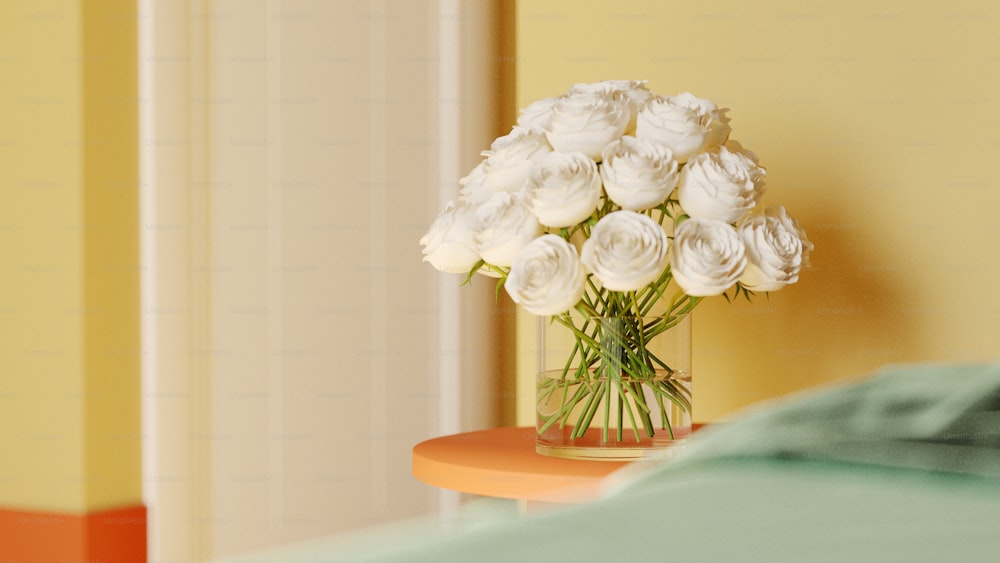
(613, 201)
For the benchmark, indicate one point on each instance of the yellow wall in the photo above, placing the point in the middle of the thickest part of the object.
(879, 128)
(69, 340)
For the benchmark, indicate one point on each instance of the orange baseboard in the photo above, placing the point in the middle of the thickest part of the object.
(111, 536)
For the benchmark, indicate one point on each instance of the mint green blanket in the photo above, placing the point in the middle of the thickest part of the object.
(932, 417)
(904, 466)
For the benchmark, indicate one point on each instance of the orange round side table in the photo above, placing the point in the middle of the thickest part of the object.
(501, 462)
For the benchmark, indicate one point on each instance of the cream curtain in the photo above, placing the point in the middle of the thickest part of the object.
(293, 153)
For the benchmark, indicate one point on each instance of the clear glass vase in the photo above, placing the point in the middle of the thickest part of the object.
(613, 388)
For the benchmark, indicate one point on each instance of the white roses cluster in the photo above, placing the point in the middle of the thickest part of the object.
(585, 189)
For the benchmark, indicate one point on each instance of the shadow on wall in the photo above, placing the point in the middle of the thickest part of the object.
(849, 314)
(853, 308)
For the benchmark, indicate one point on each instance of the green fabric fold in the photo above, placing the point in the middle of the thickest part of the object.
(941, 417)
(899, 467)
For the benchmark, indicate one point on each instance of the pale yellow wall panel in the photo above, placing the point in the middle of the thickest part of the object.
(41, 350)
(878, 126)
(68, 236)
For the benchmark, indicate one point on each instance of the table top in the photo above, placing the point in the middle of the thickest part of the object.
(501, 462)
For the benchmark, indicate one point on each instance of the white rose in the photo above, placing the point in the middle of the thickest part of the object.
(503, 226)
(626, 251)
(474, 189)
(511, 158)
(546, 277)
(777, 248)
(633, 92)
(586, 123)
(563, 190)
(637, 100)
(707, 257)
(735, 146)
(686, 124)
(638, 174)
(449, 245)
(720, 184)
(536, 116)
(608, 87)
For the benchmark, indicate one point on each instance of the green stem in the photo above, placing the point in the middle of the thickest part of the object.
(665, 418)
(565, 411)
(655, 290)
(631, 417)
(588, 414)
(607, 412)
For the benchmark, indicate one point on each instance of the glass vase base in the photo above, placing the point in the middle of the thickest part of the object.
(594, 446)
